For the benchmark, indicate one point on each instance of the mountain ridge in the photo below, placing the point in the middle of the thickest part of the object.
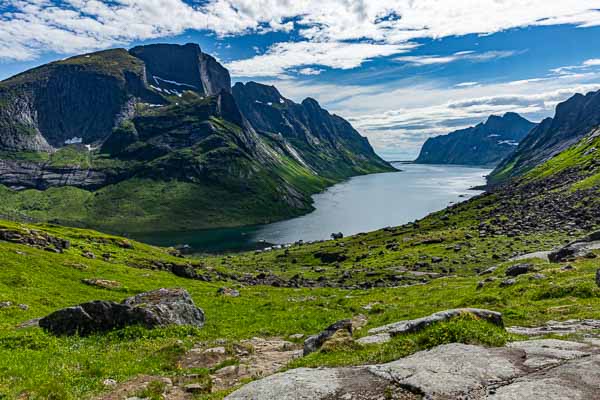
(487, 143)
(573, 119)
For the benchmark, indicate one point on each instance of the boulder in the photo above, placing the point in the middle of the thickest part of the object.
(519, 269)
(160, 307)
(314, 342)
(572, 250)
(508, 282)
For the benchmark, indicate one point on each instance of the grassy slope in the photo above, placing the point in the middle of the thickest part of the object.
(33, 362)
(45, 367)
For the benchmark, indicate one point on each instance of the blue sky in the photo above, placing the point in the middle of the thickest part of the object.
(399, 70)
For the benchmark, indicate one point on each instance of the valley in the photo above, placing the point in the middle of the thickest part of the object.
(168, 234)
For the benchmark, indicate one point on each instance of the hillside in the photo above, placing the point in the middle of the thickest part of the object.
(574, 119)
(160, 145)
(487, 143)
(325, 143)
(458, 257)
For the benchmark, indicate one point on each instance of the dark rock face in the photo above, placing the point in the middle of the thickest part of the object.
(160, 307)
(23, 174)
(574, 119)
(314, 343)
(325, 143)
(485, 144)
(179, 68)
(52, 104)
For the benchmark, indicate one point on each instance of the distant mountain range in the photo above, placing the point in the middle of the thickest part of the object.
(487, 143)
(155, 139)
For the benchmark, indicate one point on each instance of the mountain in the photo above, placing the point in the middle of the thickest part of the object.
(573, 120)
(325, 143)
(484, 144)
(153, 139)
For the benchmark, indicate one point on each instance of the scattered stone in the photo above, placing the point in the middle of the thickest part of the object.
(216, 350)
(6, 304)
(23, 307)
(296, 336)
(314, 343)
(359, 321)
(88, 254)
(538, 277)
(195, 388)
(160, 307)
(508, 282)
(568, 267)
(109, 382)
(102, 283)
(225, 291)
(519, 269)
(488, 271)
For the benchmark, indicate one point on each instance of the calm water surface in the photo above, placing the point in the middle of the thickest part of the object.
(361, 204)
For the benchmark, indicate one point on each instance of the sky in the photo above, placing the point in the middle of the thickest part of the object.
(399, 70)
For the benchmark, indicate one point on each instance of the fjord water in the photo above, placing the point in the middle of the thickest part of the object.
(361, 204)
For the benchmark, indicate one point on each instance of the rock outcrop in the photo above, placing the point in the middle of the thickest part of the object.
(487, 143)
(314, 343)
(41, 176)
(542, 369)
(153, 309)
(384, 333)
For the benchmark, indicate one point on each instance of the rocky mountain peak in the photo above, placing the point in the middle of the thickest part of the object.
(182, 67)
(257, 92)
(487, 143)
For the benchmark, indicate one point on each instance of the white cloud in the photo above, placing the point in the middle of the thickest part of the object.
(310, 71)
(569, 69)
(282, 57)
(466, 84)
(460, 56)
(30, 27)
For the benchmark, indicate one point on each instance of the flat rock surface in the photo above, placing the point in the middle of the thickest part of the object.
(537, 369)
(557, 328)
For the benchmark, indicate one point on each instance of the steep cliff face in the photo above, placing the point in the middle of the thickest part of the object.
(326, 143)
(79, 99)
(179, 68)
(574, 119)
(485, 144)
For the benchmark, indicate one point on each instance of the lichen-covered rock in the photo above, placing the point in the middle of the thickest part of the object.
(160, 307)
(546, 369)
